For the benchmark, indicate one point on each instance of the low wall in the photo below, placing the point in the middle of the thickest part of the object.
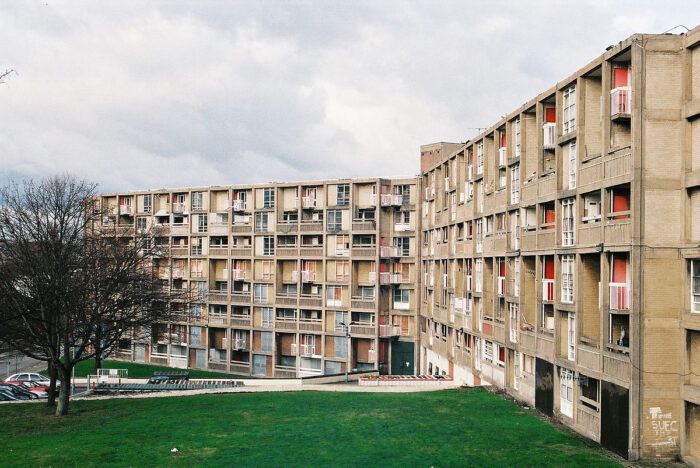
(337, 378)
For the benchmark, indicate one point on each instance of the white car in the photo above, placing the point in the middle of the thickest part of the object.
(31, 377)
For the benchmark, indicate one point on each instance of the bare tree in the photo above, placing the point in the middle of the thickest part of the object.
(70, 286)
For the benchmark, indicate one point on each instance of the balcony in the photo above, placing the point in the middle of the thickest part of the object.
(313, 325)
(310, 226)
(240, 297)
(402, 227)
(620, 101)
(548, 290)
(218, 251)
(363, 225)
(366, 329)
(391, 200)
(239, 344)
(311, 250)
(373, 199)
(468, 282)
(389, 331)
(549, 135)
(240, 251)
(392, 278)
(288, 227)
(308, 276)
(179, 207)
(308, 202)
(364, 250)
(307, 350)
(216, 296)
(125, 210)
(447, 184)
(286, 299)
(502, 156)
(619, 296)
(239, 205)
(310, 300)
(386, 251)
(358, 302)
(238, 274)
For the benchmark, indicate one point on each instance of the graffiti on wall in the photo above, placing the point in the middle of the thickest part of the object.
(665, 428)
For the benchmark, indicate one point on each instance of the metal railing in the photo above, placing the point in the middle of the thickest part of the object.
(621, 100)
(619, 296)
(548, 290)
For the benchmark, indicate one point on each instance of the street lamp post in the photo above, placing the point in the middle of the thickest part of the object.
(347, 343)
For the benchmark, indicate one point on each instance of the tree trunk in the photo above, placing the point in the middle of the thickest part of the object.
(98, 360)
(98, 349)
(64, 393)
(53, 373)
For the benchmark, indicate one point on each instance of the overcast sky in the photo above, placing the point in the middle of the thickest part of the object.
(137, 95)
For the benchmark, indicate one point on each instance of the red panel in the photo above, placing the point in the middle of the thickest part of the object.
(551, 115)
(549, 215)
(382, 320)
(501, 353)
(620, 77)
(382, 267)
(549, 268)
(620, 203)
(382, 241)
(384, 187)
(382, 351)
(471, 157)
(619, 270)
(502, 269)
(452, 369)
(503, 140)
(488, 329)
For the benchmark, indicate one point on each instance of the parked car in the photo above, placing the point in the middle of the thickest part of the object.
(19, 391)
(6, 396)
(39, 389)
(31, 376)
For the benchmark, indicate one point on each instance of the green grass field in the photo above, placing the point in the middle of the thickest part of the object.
(445, 428)
(143, 371)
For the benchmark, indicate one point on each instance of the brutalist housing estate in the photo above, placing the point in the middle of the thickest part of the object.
(556, 255)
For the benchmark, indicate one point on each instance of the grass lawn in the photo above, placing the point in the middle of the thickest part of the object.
(143, 371)
(445, 428)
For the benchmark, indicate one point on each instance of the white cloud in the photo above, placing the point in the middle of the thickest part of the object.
(171, 94)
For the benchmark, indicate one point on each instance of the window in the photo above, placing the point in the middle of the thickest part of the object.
(147, 203)
(342, 270)
(517, 137)
(567, 279)
(340, 347)
(695, 286)
(404, 245)
(141, 225)
(590, 392)
(261, 222)
(265, 341)
(402, 298)
(268, 245)
(366, 292)
(571, 327)
(515, 184)
(197, 201)
(567, 222)
(478, 266)
(572, 165)
(480, 157)
(342, 245)
(202, 223)
(260, 293)
(343, 196)
(566, 393)
(267, 314)
(195, 336)
(268, 269)
(196, 310)
(488, 351)
(501, 356)
(569, 110)
(340, 319)
(268, 197)
(201, 290)
(333, 296)
(335, 220)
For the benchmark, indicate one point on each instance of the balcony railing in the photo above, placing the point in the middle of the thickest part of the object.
(308, 202)
(179, 207)
(307, 350)
(373, 199)
(386, 251)
(238, 344)
(238, 274)
(391, 200)
(308, 276)
(402, 227)
(621, 100)
(239, 205)
(502, 156)
(389, 330)
(125, 209)
(372, 277)
(550, 135)
(619, 296)
(548, 290)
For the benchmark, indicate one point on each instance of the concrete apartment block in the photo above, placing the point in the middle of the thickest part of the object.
(560, 251)
(555, 256)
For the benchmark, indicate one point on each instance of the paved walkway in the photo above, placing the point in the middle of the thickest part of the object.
(341, 387)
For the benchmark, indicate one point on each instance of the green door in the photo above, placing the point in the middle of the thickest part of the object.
(402, 358)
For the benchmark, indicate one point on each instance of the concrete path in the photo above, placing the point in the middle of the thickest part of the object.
(351, 387)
